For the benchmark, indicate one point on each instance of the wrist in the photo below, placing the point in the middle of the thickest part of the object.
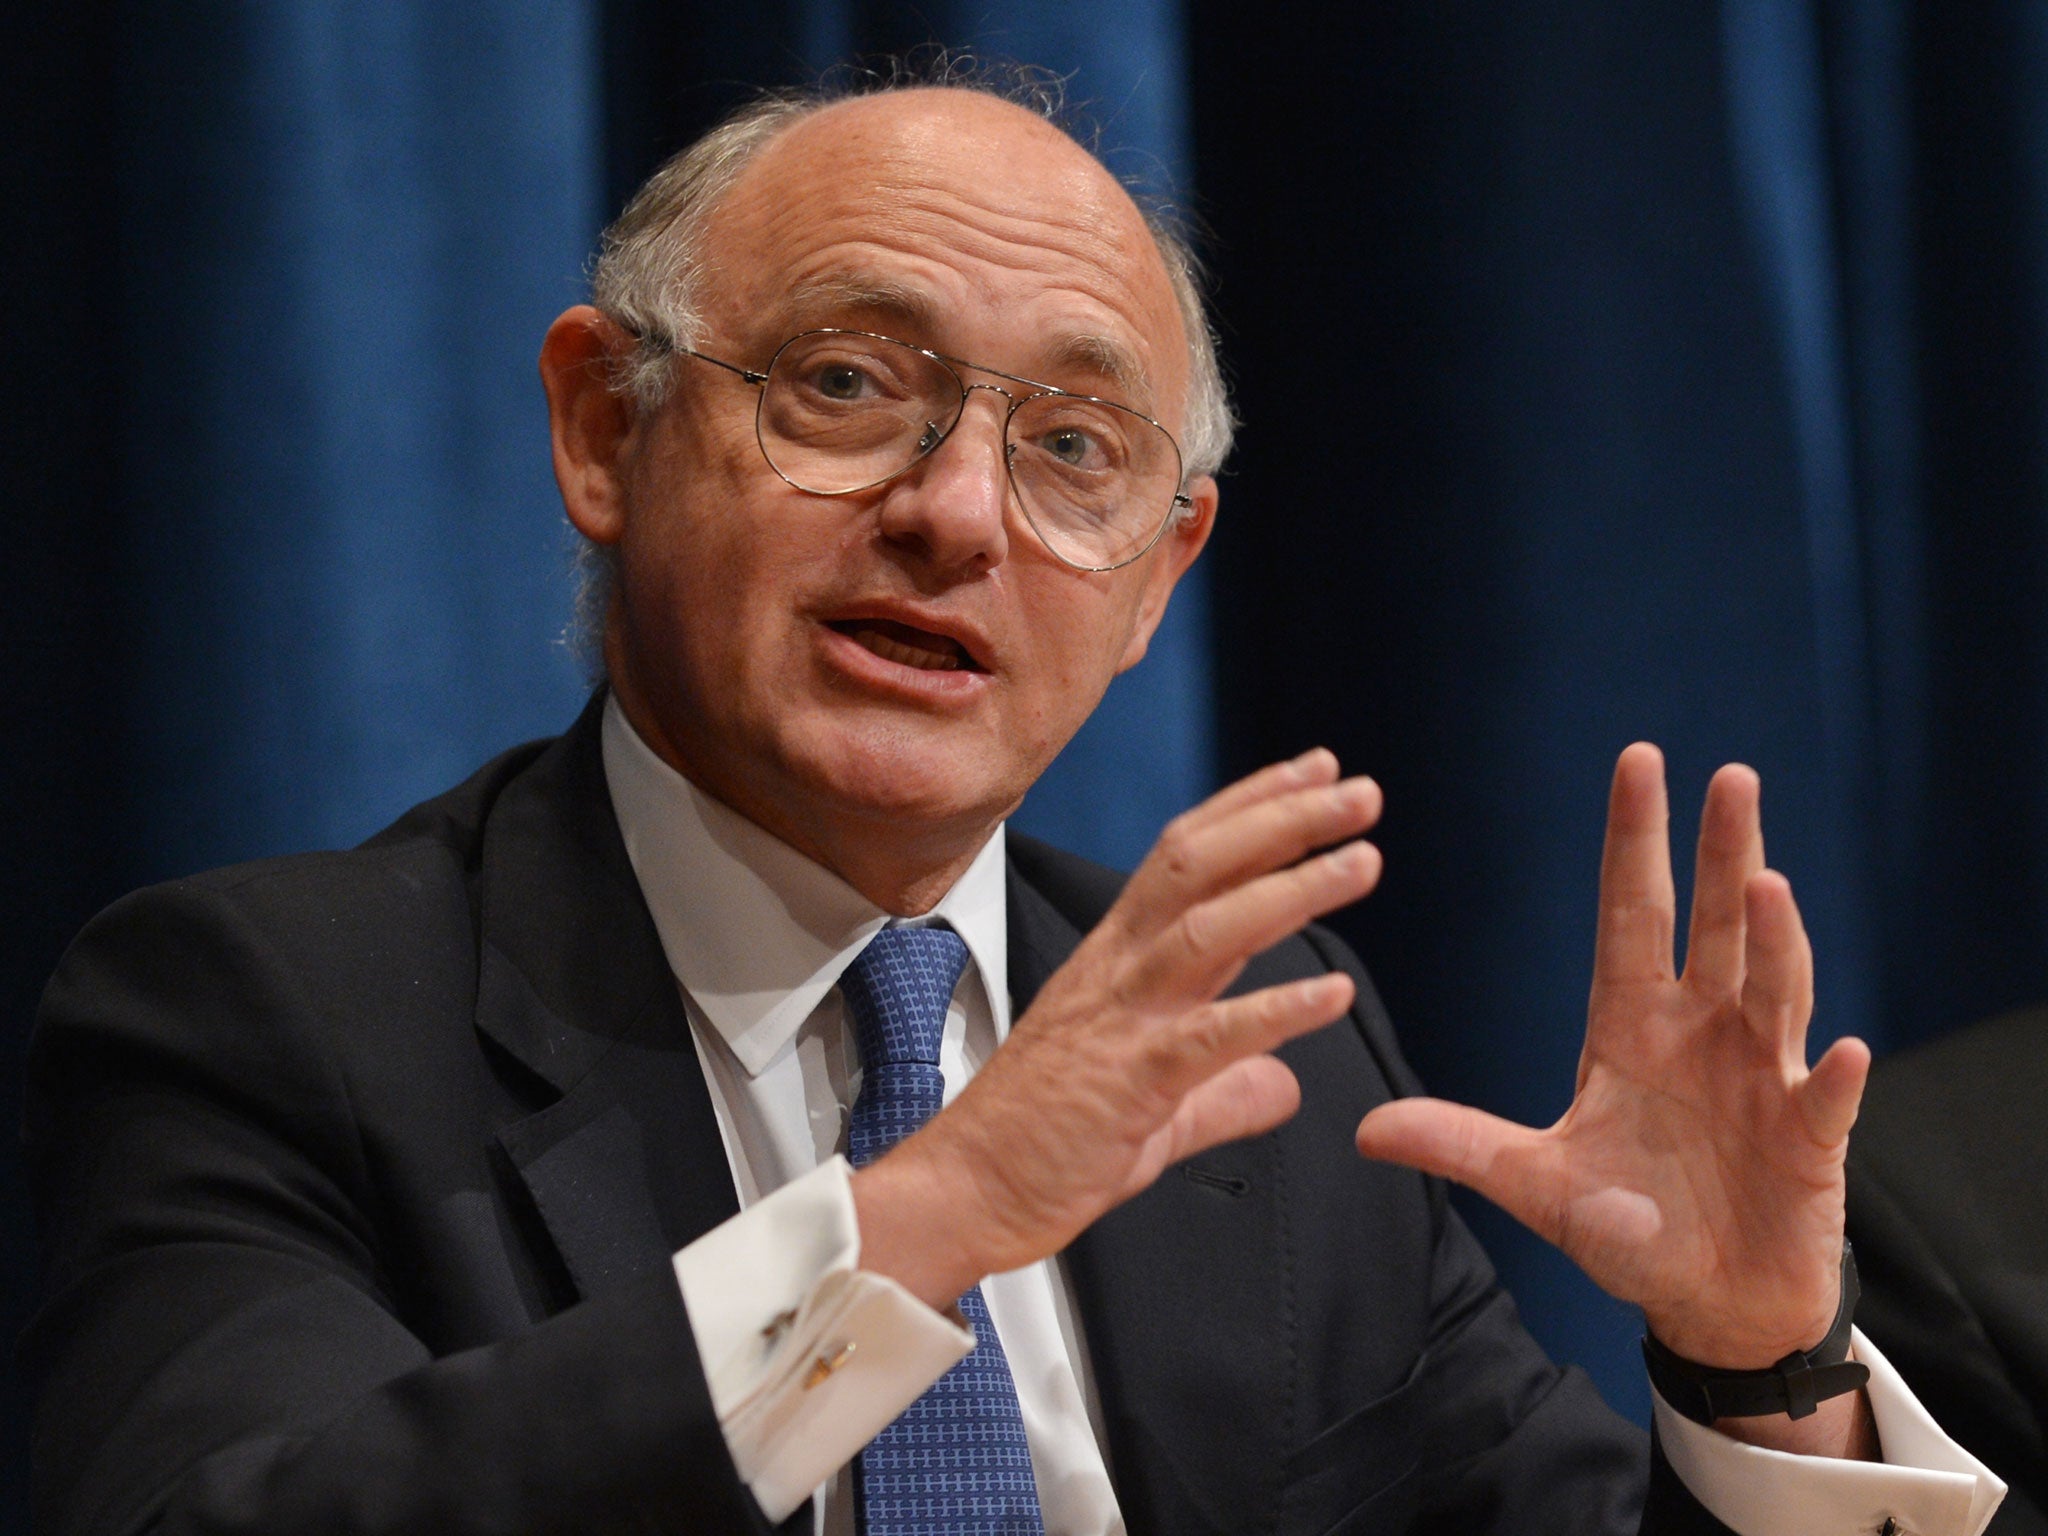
(912, 1231)
(1793, 1386)
(1841, 1427)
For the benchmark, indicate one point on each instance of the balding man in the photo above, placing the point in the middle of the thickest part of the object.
(490, 1177)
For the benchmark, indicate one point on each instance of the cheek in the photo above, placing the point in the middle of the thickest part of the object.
(1078, 633)
(679, 620)
(693, 533)
(715, 594)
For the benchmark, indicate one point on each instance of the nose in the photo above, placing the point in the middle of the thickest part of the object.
(953, 503)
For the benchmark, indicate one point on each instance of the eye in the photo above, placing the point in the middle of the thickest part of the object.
(1075, 437)
(841, 381)
(1071, 445)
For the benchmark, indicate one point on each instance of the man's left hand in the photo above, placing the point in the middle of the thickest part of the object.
(1698, 1171)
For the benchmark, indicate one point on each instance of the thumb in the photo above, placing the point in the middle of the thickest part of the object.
(1454, 1141)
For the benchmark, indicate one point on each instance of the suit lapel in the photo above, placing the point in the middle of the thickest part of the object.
(627, 1164)
(1183, 1295)
(1182, 1290)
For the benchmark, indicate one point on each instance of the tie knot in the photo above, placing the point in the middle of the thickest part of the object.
(897, 990)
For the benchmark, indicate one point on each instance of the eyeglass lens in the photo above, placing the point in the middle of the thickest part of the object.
(843, 411)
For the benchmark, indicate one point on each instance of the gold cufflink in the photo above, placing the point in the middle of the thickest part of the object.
(825, 1365)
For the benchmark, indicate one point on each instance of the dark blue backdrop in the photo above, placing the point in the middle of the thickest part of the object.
(1654, 370)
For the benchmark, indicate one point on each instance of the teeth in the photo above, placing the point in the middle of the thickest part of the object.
(905, 655)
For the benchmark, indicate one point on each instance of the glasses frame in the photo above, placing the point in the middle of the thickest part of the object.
(1039, 391)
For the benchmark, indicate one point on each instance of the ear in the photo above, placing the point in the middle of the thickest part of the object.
(593, 429)
(1168, 562)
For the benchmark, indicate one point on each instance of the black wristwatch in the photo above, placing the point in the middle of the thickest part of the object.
(1796, 1385)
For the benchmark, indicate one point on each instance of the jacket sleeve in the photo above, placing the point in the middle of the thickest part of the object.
(222, 1345)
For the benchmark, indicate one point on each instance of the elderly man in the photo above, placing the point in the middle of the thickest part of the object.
(488, 1177)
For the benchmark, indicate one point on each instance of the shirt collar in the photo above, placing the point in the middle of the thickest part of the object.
(757, 933)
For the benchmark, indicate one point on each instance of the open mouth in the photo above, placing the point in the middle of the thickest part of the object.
(908, 646)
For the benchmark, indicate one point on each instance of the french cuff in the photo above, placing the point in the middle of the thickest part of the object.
(1927, 1485)
(808, 1357)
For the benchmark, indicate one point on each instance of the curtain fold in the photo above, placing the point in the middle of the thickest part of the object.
(1667, 372)
(344, 229)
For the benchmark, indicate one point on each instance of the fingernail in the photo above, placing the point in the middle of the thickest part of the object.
(1351, 859)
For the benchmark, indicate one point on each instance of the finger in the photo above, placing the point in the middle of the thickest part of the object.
(1777, 983)
(1313, 769)
(1833, 1091)
(1247, 1098)
(1208, 1038)
(1199, 953)
(1191, 864)
(1469, 1146)
(1633, 944)
(1316, 766)
(1731, 849)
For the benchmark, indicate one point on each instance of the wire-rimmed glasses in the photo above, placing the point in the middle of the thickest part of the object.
(843, 411)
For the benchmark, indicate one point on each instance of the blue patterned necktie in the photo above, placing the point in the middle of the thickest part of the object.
(956, 1461)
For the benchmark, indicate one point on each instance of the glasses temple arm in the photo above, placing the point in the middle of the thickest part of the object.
(718, 362)
(655, 338)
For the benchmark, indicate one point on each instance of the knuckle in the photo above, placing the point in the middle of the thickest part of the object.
(1318, 882)
(1272, 1010)
(1127, 987)
(1197, 930)
(1162, 1056)
(1209, 1031)
(1465, 1142)
(1175, 850)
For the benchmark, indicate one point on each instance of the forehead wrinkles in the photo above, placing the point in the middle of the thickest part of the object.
(965, 213)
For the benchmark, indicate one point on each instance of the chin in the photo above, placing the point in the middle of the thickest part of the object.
(914, 783)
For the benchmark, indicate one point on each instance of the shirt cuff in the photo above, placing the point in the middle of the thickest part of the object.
(1926, 1484)
(807, 1356)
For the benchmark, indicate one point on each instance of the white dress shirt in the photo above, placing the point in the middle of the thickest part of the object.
(758, 935)
(808, 1356)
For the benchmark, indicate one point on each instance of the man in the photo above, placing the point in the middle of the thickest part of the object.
(897, 425)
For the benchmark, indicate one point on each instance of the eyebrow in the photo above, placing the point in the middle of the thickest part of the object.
(911, 307)
(1107, 357)
(899, 302)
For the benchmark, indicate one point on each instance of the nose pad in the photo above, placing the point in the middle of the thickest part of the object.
(933, 434)
(956, 503)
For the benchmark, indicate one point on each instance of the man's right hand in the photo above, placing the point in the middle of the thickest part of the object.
(1128, 1061)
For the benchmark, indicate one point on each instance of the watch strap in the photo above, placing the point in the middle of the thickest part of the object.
(1795, 1385)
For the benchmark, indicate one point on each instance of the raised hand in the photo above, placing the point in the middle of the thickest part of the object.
(1129, 1060)
(1698, 1171)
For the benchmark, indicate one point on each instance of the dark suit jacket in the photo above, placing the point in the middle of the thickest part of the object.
(360, 1174)
(1948, 1209)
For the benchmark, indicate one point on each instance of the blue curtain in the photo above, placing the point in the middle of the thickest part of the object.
(1651, 371)
(344, 229)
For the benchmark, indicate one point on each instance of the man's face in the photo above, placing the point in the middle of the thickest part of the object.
(891, 670)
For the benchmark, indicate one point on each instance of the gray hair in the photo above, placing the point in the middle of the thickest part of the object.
(650, 262)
